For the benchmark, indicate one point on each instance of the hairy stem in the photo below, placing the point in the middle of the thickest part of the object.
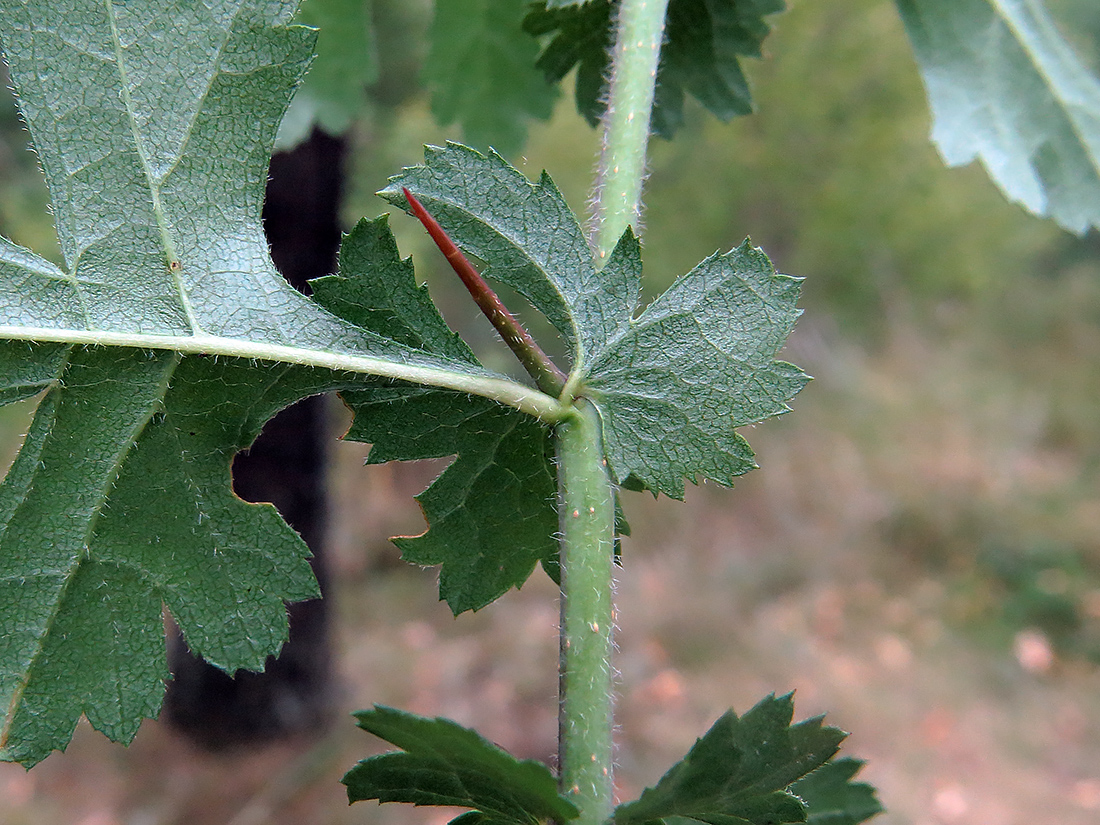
(587, 515)
(546, 374)
(637, 51)
(586, 499)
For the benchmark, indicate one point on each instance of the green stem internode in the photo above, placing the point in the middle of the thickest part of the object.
(621, 171)
(586, 496)
(586, 508)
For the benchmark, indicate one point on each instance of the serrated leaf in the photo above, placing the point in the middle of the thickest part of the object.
(582, 36)
(672, 385)
(833, 798)
(528, 238)
(376, 290)
(704, 42)
(442, 763)
(119, 503)
(695, 365)
(481, 73)
(1006, 89)
(153, 123)
(737, 773)
(334, 92)
(491, 513)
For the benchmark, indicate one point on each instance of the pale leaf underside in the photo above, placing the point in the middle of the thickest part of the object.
(120, 500)
(671, 385)
(1006, 89)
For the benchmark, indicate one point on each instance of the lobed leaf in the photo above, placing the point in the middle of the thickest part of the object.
(738, 772)
(672, 385)
(491, 513)
(157, 180)
(442, 763)
(694, 366)
(153, 123)
(704, 43)
(120, 502)
(1006, 89)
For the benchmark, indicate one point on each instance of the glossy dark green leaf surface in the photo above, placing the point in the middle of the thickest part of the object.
(120, 502)
(833, 798)
(491, 513)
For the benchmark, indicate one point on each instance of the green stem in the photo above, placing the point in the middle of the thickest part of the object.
(586, 497)
(618, 201)
(587, 515)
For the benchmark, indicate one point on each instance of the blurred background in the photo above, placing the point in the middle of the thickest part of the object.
(918, 556)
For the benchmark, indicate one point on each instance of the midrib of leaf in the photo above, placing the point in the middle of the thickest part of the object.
(154, 186)
(502, 390)
(1026, 42)
(109, 480)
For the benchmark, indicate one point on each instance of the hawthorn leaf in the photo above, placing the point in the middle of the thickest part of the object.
(672, 385)
(375, 289)
(443, 763)
(491, 514)
(120, 502)
(334, 91)
(833, 798)
(704, 43)
(1007, 89)
(699, 362)
(738, 772)
(153, 124)
(527, 237)
(481, 73)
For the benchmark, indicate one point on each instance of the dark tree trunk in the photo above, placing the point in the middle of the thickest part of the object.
(286, 466)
